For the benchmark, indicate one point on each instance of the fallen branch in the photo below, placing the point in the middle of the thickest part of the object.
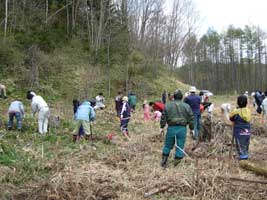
(156, 191)
(253, 167)
(242, 180)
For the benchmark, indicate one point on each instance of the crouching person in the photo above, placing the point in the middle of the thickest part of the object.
(39, 106)
(177, 115)
(242, 130)
(16, 110)
(83, 116)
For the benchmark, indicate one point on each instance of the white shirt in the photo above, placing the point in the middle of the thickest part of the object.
(226, 107)
(264, 105)
(38, 103)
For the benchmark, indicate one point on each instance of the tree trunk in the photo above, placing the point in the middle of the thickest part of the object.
(6, 19)
(46, 11)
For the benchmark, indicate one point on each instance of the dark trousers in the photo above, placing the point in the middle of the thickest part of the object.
(242, 146)
(124, 125)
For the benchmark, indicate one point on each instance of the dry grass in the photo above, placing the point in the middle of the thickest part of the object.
(126, 170)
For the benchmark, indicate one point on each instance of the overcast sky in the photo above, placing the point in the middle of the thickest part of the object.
(219, 14)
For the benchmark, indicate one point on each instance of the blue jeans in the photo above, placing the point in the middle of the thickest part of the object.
(18, 118)
(197, 118)
(175, 134)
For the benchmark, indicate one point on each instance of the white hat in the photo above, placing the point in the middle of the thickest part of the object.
(125, 98)
(193, 89)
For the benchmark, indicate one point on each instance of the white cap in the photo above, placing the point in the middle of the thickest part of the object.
(193, 89)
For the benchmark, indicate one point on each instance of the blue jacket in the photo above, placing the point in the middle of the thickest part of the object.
(126, 111)
(85, 112)
(194, 102)
(241, 118)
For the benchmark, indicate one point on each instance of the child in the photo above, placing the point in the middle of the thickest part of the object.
(146, 111)
(241, 118)
(157, 115)
(125, 116)
(15, 109)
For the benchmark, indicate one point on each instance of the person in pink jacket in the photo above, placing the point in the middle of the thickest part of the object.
(146, 111)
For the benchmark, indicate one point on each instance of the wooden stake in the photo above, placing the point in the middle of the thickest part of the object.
(242, 180)
(156, 191)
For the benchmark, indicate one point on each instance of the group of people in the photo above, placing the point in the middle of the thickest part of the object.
(177, 113)
(38, 105)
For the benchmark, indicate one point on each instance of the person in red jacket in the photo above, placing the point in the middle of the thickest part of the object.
(157, 106)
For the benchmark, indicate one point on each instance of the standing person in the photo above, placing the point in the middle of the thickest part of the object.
(225, 109)
(39, 105)
(15, 109)
(177, 115)
(3, 91)
(76, 104)
(83, 116)
(241, 118)
(194, 101)
(118, 103)
(264, 109)
(132, 101)
(164, 97)
(99, 101)
(258, 99)
(125, 116)
(146, 111)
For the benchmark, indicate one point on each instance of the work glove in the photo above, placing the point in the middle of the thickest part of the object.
(121, 117)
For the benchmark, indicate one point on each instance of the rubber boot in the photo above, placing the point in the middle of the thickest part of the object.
(126, 134)
(177, 161)
(163, 163)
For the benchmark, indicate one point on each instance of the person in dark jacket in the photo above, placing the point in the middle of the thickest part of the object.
(125, 117)
(194, 101)
(242, 129)
(259, 96)
(177, 115)
(164, 97)
(118, 103)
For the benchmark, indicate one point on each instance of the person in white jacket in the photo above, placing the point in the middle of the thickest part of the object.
(39, 106)
(264, 109)
(225, 109)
